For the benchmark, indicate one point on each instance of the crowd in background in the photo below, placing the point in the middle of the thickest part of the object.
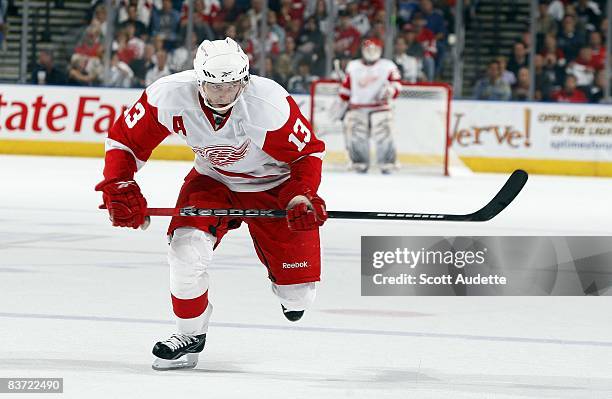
(149, 42)
(569, 61)
(149, 39)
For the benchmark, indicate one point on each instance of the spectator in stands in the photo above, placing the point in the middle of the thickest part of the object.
(598, 50)
(249, 42)
(437, 25)
(135, 43)
(166, 22)
(410, 67)
(311, 44)
(492, 87)
(546, 23)
(596, 91)
(589, 14)
(256, 14)
(78, 75)
(140, 29)
(284, 14)
(272, 44)
(347, 38)
(377, 31)
(276, 29)
(569, 39)
(570, 93)
(181, 58)
(293, 28)
(519, 58)
(427, 39)
(231, 32)
(603, 29)
(413, 48)
(158, 42)
(140, 67)
(543, 81)
(292, 9)
(570, 10)
(359, 20)
(582, 68)
(287, 62)
(144, 9)
(203, 14)
(120, 46)
(556, 9)
(159, 70)
(550, 47)
(90, 45)
(551, 68)
(271, 72)
(45, 72)
(526, 39)
(228, 14)
(520, 90)
(100, 19)
(406, 10)
(507, 76)
(320, 13)
(120, 74)
(300, 84)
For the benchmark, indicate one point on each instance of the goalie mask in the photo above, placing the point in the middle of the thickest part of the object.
(371, 50)
(222, 71)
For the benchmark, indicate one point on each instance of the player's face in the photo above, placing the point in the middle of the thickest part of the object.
(221, 94)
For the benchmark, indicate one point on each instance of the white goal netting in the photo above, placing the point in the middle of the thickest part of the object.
(421, 119)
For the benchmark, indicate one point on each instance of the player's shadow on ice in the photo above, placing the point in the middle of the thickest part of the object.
(106, 366)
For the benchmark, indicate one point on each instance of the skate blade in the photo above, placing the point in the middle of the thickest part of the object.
(187, 361)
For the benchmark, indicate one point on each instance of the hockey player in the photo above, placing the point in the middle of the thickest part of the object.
(369, 86)
(254, 149)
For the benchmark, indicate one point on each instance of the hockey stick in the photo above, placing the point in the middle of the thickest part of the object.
(502, 199)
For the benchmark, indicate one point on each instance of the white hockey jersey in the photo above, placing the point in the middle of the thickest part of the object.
(252, 148)
(364, 85)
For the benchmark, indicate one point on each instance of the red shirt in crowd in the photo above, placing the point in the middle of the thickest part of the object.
(599, 57)
(348, 39)
(562, 96)
(428, 40)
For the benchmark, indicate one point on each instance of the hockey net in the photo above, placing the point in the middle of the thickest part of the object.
(421, 123)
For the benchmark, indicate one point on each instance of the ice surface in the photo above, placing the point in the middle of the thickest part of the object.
(85, 301)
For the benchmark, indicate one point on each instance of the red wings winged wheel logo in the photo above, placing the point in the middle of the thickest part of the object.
(223, 155)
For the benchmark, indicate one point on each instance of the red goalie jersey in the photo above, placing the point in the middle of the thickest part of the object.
(262, 142)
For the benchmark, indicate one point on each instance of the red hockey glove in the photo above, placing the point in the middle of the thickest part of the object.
(306, 212)
(124, 201)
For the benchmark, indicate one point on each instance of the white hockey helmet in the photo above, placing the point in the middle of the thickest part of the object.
(218, 62)
(371, 49)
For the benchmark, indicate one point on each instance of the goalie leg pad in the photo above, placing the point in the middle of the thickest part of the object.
(357, 135)
(386, 153)
(189, 255)
(295, 296)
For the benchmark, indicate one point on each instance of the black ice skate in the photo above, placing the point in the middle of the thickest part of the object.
(180, 351)
(292, 315)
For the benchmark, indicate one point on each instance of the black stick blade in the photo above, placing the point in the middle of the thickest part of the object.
(502, 199)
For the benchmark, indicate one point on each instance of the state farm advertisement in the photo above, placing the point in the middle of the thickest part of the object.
(478, 129)
(532, 130)
(73, 114)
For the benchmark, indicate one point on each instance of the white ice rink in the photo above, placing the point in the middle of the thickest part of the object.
(85, 301)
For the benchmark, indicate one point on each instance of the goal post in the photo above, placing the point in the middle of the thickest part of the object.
(421, 125)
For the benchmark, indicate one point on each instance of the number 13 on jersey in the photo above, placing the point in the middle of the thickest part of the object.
(133, 115)
(300, 129)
